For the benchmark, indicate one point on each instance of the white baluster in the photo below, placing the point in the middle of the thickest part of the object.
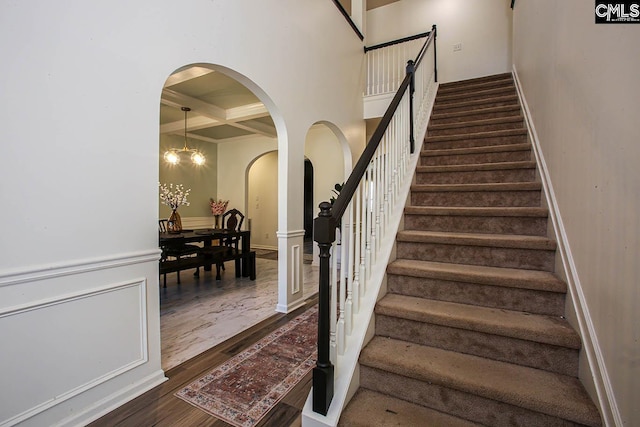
(342, 286)
(348, 254)
(370, 228)
(356, 249)
(333, 339)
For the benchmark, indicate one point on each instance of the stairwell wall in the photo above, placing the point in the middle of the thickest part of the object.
(581, 87)
(482, 27)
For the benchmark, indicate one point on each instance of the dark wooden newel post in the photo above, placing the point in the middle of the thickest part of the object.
(324, 233)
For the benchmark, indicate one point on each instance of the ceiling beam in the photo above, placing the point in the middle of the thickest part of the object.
(221, 116)
(246, 112)
(193, 123)
(174, 99)
(187, 74)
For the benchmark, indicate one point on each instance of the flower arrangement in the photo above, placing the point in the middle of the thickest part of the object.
(174, 196)
(218, 207)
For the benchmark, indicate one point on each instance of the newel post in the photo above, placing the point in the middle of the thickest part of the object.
(324, 233)
(412, 88)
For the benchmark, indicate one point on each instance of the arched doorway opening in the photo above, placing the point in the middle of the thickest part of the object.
(327, 149)
(231, 121)
(262, 205)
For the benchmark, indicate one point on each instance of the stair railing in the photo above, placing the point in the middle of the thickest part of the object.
(362, 210)
(386, 63)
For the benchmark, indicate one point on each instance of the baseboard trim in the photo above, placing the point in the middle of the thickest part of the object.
(114, 401)
(265, 247)
(591, 346)
(280, 308)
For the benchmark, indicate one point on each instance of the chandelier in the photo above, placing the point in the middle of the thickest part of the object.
(172, 155)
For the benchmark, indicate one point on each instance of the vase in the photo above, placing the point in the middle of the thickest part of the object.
(174, 223)
(216, 224)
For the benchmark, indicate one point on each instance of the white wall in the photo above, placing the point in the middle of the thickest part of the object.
(81, 85)
(483, 28)
(580, 81)
(323, 149)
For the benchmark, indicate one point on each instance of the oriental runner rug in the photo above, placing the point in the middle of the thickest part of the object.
(242, 390)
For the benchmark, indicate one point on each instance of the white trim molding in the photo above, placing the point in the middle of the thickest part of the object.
(590, 345)
(51, 271)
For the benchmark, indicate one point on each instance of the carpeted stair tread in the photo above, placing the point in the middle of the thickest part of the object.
(494, 276)
(510, 186)
(513, 109)
(369, 408)
(477, 80)
(475, 150)
(477, 239)
(506, 323)
(477, 135)
(432, 156)
(478, 211)
(534, 389)
(472, 104)
(478, 167)
(475, 86)
(484, 93)
(484, 122)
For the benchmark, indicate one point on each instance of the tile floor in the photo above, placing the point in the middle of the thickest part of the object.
(202, 312)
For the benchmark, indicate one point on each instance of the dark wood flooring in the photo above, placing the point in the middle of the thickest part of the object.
(159, 406)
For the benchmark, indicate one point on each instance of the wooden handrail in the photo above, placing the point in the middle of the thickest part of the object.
(394, 42)
(348, 18)
(324, 233)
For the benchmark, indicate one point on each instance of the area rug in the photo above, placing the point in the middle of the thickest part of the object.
(243, 389)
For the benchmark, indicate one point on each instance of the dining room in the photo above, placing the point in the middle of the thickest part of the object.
(218, 153)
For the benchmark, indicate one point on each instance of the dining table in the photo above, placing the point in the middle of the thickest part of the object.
(207, 236)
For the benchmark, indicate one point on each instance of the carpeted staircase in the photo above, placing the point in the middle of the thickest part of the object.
(472, 330)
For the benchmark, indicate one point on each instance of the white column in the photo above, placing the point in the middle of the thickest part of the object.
(290, 284)
(358, 14)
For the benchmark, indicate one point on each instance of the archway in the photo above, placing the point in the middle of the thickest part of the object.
(232, 122)
(262, 196)
(328, 151)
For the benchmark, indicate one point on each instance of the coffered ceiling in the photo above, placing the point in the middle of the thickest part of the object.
(222, 109)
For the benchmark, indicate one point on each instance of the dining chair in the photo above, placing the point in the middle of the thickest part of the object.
(232, 220)
(176, 251)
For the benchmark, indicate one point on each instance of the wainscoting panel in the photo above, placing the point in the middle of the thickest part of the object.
(76, 328)
(78, 340)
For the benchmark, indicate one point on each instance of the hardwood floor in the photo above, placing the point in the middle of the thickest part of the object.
(159, 407)
(187, 310)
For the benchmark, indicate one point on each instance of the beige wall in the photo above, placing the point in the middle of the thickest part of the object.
(262, 196)
(581, 83)
(248, 177)
(483, 28)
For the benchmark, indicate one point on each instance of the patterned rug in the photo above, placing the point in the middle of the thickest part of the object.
(243, 389)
